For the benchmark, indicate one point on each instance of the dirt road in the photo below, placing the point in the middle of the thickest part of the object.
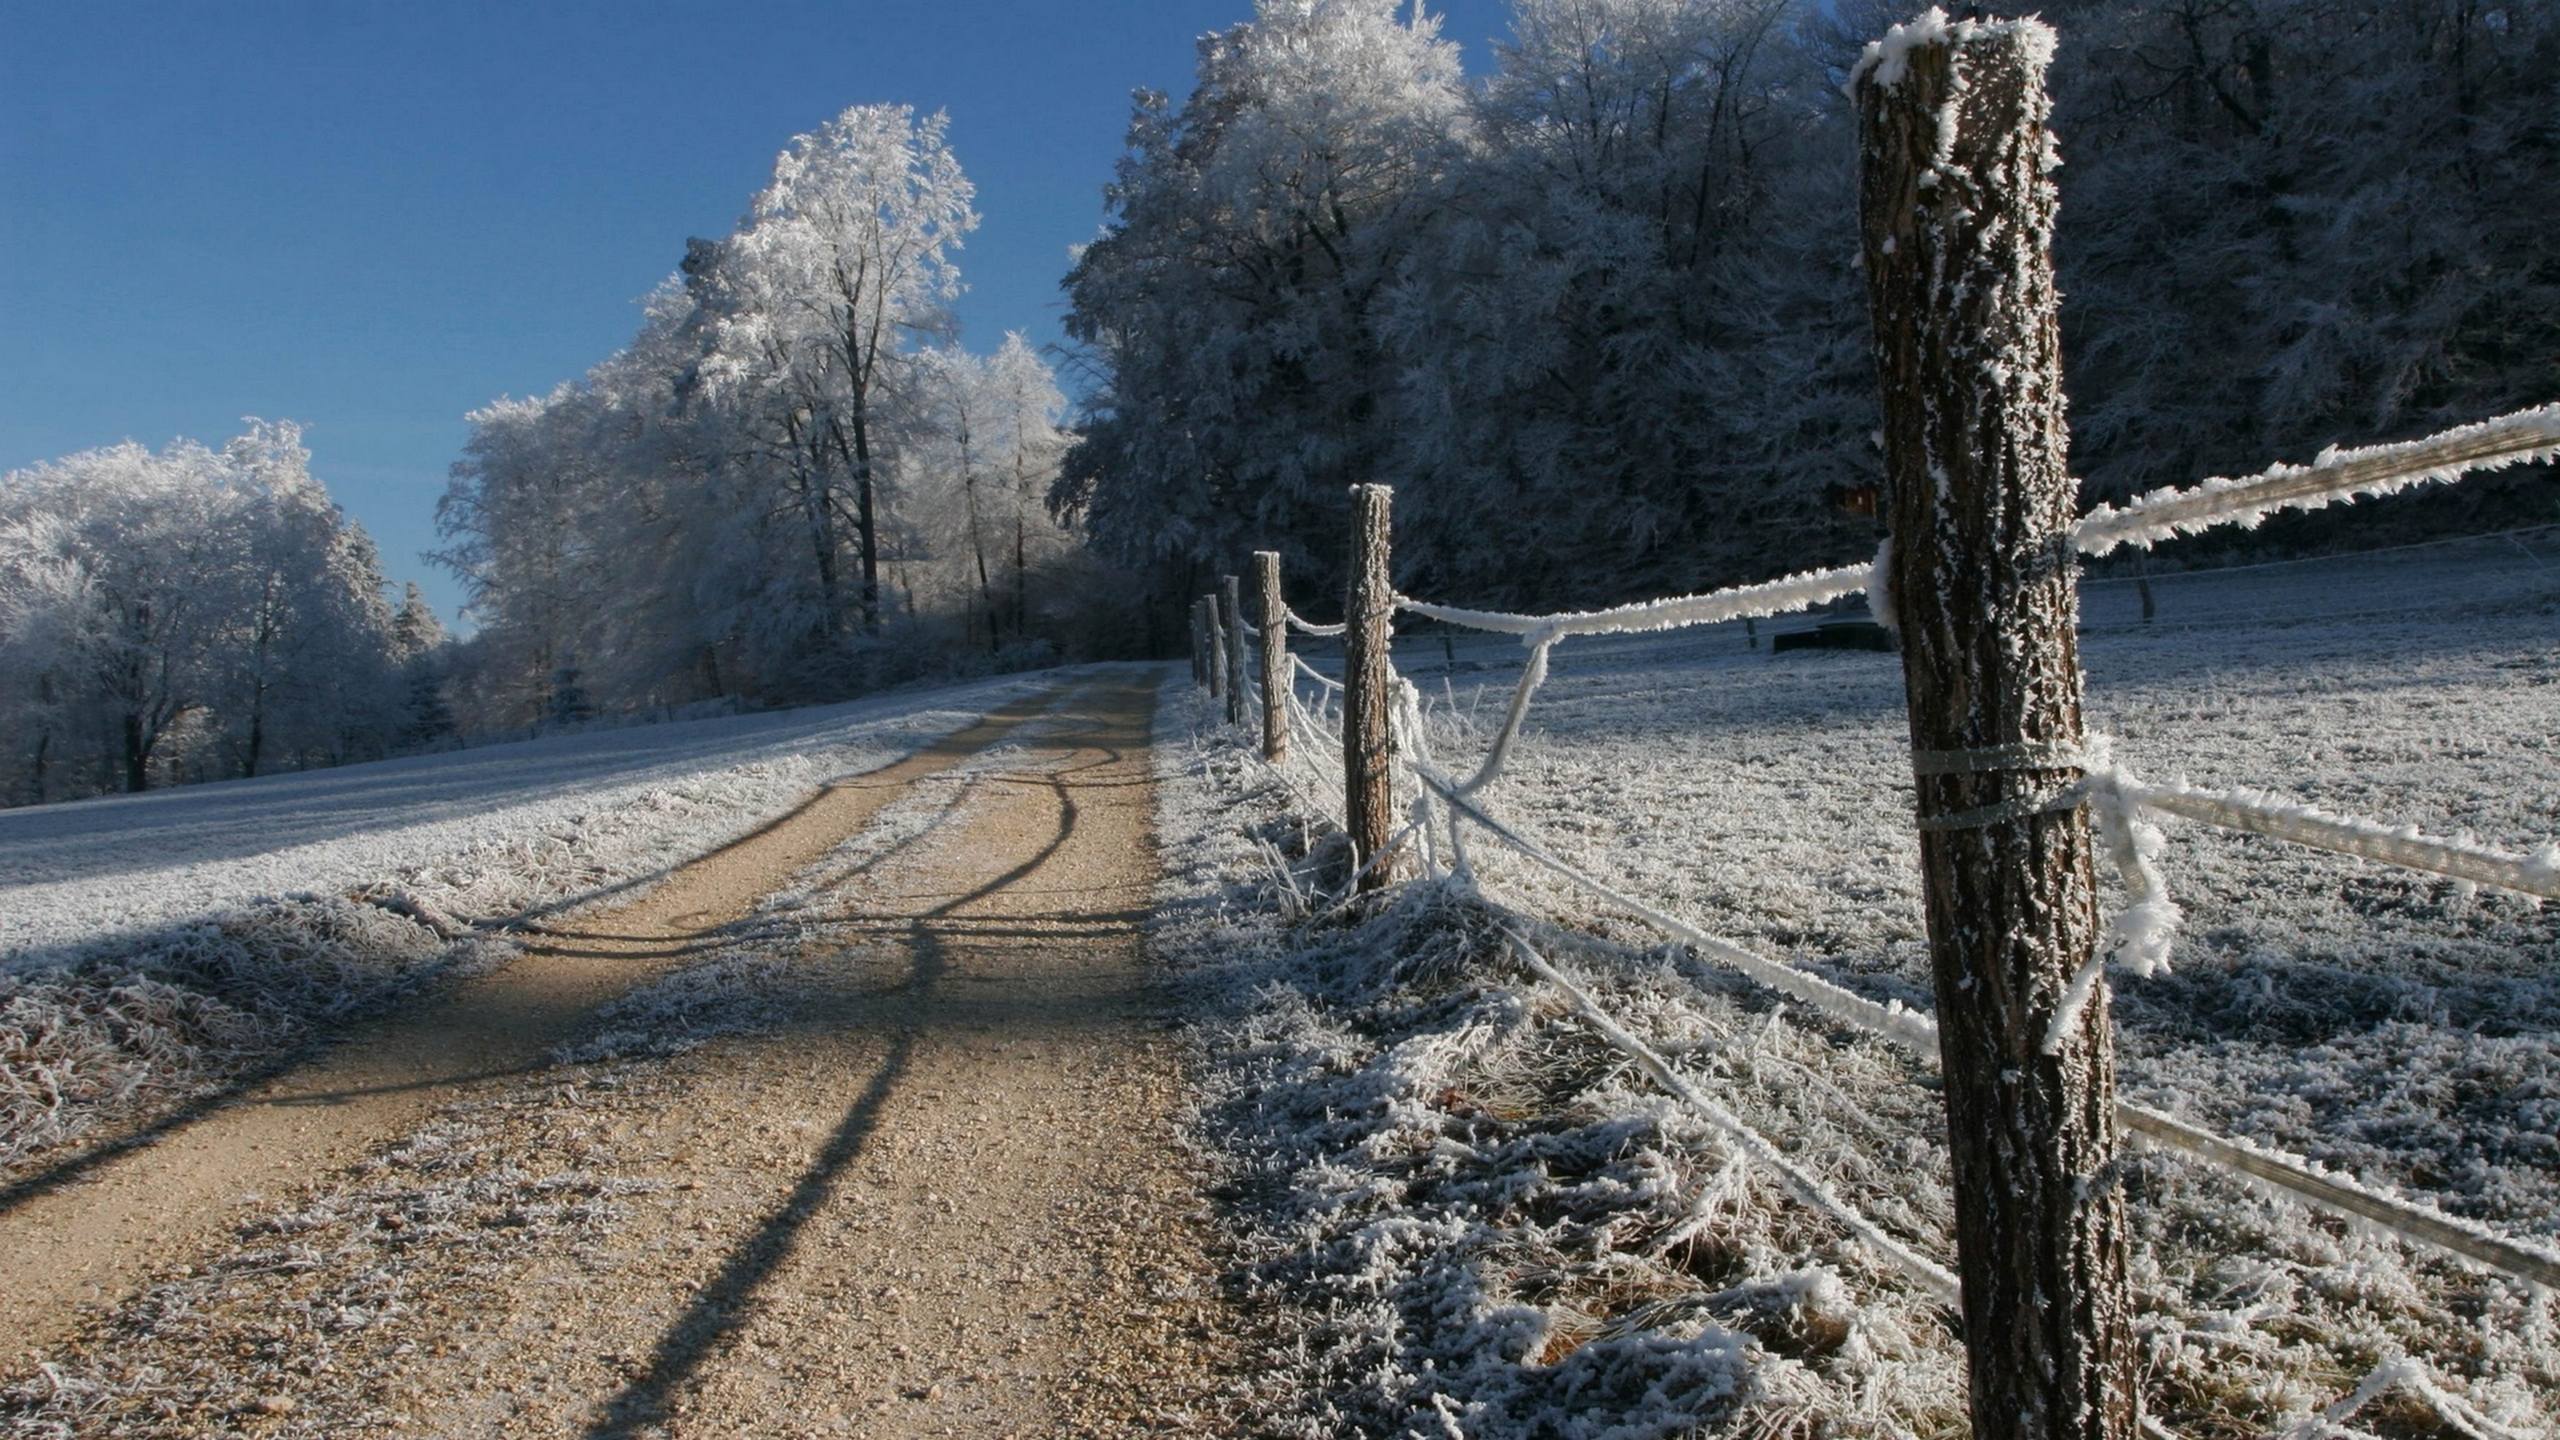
(894, 1156)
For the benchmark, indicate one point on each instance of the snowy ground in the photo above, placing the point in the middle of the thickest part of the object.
(1508, 1231)
(154, 945)
(82, 874)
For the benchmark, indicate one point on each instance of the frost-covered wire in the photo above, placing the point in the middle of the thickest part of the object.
(1918, 1033)
(1313, 673)
(1307, 720)
(2519, 438)
(1404, 722)
(2139, 936)
(1890, 1020)
(1931, 1275)
(1305, 626)
(1532, 675)
(2413, 1222)
(1335, 807)
(2406, 846)
(1769, 597)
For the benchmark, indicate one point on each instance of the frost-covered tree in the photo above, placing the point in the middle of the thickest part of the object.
(1027, 409)
(818, 302)
(1235, 298)
(1603, 329)
(421, 648)
(790, 485)
(309, 670)
(186, 612)
(2294, 222)
(528, 538)
(1606, 336)
(1520, 305)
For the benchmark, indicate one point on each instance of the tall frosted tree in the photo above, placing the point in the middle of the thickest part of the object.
(846, 259)
(792, 483)
(1235, 296)
(1028, 408)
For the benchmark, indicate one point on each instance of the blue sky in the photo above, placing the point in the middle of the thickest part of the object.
(373, 217)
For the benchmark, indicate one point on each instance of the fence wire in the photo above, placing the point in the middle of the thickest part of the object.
(2337, 476)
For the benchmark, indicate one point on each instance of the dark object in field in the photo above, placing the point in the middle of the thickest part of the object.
(1848, 623)
(1856, 634)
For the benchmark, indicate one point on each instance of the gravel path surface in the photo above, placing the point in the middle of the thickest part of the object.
(893, 1153)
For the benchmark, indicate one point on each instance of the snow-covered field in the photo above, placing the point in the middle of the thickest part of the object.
(86, 873)
(1503, 1223)
(152, 945)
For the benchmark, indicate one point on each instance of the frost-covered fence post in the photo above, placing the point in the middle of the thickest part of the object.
(1275, 656)
(1217, 645)
(1368, 692)
(1957, 203)
(1231, 593)
(1199, 646)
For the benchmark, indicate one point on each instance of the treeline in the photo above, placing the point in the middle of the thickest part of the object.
(1597, 314)
(793, 484)
(194, 614)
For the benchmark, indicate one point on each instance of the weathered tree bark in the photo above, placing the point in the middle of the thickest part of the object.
(1231, 610)
(865, 516)
(1368, 745)
(1275, 656)
(1958, 204)
(137, 755)
(986, 586)
(809, 465)
(257, 731)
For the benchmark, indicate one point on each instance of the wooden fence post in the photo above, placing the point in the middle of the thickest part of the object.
(1217, 646)
(1368, 745)
(1231, 596)
(1957, 205)
(1275, 656)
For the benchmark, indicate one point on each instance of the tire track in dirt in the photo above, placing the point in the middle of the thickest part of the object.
(926, 1177)
(940, 1192)
(94, 1239)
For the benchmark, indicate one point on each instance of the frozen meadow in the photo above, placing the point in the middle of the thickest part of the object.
(89, 874)
(1504, 1223)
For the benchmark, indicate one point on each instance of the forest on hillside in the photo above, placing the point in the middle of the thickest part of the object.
(1594, 310)
(1597, 315)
